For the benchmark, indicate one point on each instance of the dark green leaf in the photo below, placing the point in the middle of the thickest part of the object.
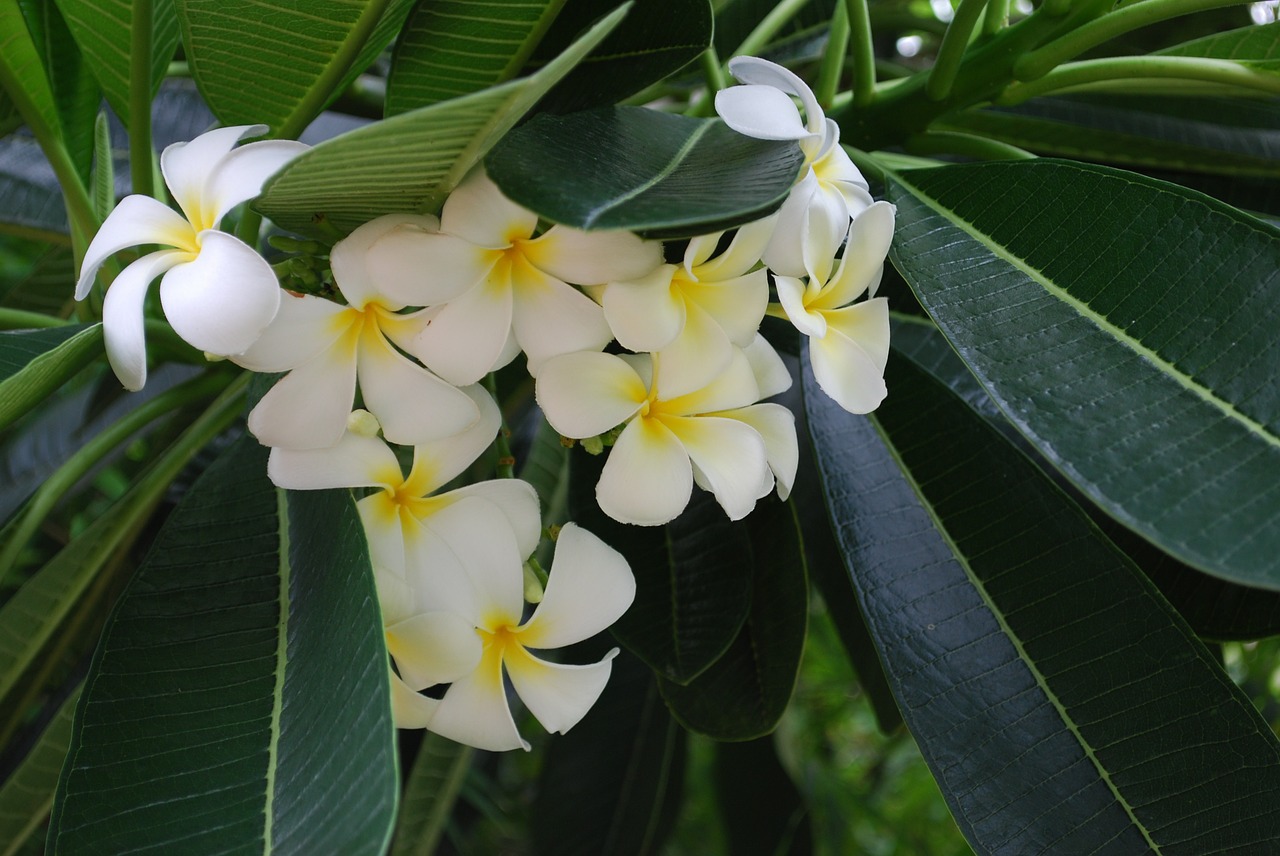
(1246, 44)
(659, 38)
(429, 795)
(32, 198)
(75, 92)
(242, 678)
(20, 61)
(409, 162)
(1153, 392)
(693, 577)
(451, 48)
(612, 785)
(28, 792)
(1062, 705)
(743, 694)
(33, 363)
(737, 18)
(644, 170)
(761, 809)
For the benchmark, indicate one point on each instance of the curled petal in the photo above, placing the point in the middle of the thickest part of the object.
(551, 318)
(422, 267)
(777, 427)
(436, 462)
(408, 708)
(588, 393)
(384, 530)
(645, 314)
(518, 501)
(589, 588)
(435, 577)
(433, 648)
(308, 408)
(480, 537)
(136, 220)
(122, 319)
(413, 405)
(355, 461)
(695, 357)
(304, 326)
(771, 374)
(478, 212)
(557, 695)
(240, 175)
(728, 458)
(186, 167)
(466, 337)
(754, 70)
(811, 226)
(863, 262)
(647, 479)
(737, 304)
(223, 300)
(743, 253)
(474, 711)
(349, 259)
(734, 387)
(791, 293)
(849, 361)
(591, 258)
(761, 112)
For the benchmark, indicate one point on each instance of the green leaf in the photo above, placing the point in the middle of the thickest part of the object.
(34, 363)
(1062, 705)
(737, 18)
(693, 577)
(761, 810)
(75, 92)
(1256, 43)
(743, 694)
(104, 32)
(242, 677)
(33, 200)
(660, 38)
(21, 70)
(659, 173)
(612, 785)
(28, 793)
(451, 48)
(300, 56)
(1153, 392)
(430, 794)
(409, 162)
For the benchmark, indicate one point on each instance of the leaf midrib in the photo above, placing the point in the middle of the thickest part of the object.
(595, 214)
(282, 662)
(1084, 310)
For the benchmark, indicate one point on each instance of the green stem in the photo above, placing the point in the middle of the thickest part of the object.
(531, 41)
(506, 467)
(832, 67)
(249, 226)
(21, 530)
(997, 17)
(864, 52)
(968, 145)
(769, 26)
(713, 74)
(140, 170)
(1133, 68)
(1044, 59)
(18, 319)
(943, 74)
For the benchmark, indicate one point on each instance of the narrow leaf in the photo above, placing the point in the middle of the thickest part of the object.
(104, 173)
(75, 92)
(660, 173)
(1152, 392)
(1062, 705)
(21, 72)
(33, 199)
(241, 677)
(27, 795)
(412, 161)
(1256, 43)
(34, 363)
(430, 794)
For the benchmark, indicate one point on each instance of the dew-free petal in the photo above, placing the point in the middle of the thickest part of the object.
(647, 479)
(557, 695)
(589, 588)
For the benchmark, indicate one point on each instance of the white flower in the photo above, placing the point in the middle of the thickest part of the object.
(217, 292)
(589, 587)
(848, 343)
(513, 291)
(669, 442)
(830, 190)
(326, 346)
(695, 313)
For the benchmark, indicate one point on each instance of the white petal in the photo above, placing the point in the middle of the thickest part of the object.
(436, 462)
(695, 357)
(737, 304)
(419, 266)
(308, 408)
(730, 459)
(384, 531)
(394, 596)
(811, 226)
(433, 648)
(136, 220)
(848, 362)
(186, 166)
(644, 314)
(477, 210)
(413, 405)
(588, 393)
(304, 326)
(519, 503)
(754, 70)
(434, 571)
(480, 537)
(768, 368)
(590, 258)
(222, 301)
(474, 711)
(551, 318)
(777, 426)
(835, 167)
(791, 296)
(240, 175)
(123, 328)
(863, 261)
(355, 461)
(589, 587)
(761, 112)
(735, 386)
(467, 335)
(408, 708)
(743, 253)
(867, 324)
(557, 695)
(647, 479)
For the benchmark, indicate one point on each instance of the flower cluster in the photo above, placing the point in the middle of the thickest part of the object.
(429, 306)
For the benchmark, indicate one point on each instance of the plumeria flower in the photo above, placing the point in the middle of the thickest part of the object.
(830, 189)
(590, 586)
(217, 292)
(408, 524)
(326, 347)
(693, 314)
(669, 442)
(848, 342)
(513, 291)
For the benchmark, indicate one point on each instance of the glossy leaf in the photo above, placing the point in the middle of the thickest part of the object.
(75, 91)
(242, 676)
(1062, 704)
(451, 48)
(659, 38)
(693, 577)
(429, 795)
(1141, 365)
(27, 794)
(104, 30)
(760, 809)
(743, 694)
(20, 67)
(409, 162)
(737, 18)
(612, 785)
(1248, 45)
(659, 173)
(33, 363)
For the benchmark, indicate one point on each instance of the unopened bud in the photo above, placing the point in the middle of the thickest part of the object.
(363, 423)
(593, 445)
(533, 589)
(213, 358)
